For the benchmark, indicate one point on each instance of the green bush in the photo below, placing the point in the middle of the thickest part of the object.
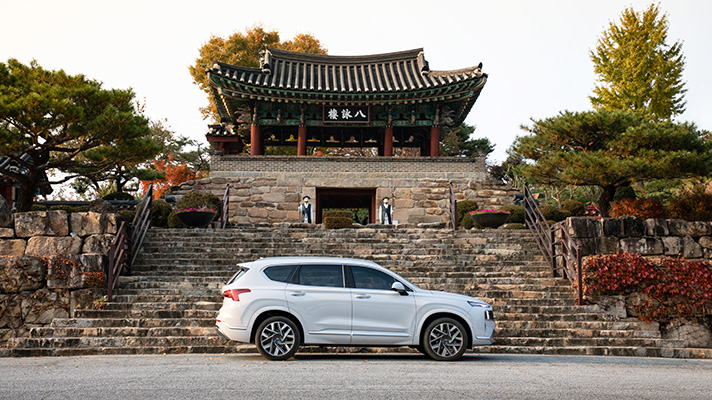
(516, 213)
(338, 222)
(127, 215)
(573, 208)
(336, 213)
(38, 207)
(118, 196)
(173, 221)
(514, 225)
(463, 208)
(196, 199)
(692, 205)
(552, 213)
(81, 209)
(160, 210)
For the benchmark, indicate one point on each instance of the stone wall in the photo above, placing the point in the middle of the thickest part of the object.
(48, 259)
(650, 237)
(270, 188)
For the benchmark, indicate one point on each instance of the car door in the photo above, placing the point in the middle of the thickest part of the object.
(318, 296)
(380, 315)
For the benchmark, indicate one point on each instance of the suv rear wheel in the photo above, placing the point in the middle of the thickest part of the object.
(445, 340)
(277, 338)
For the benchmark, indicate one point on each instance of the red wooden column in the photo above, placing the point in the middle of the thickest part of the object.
(255, 142)
(302, 140)
(388, 142)
(435, 141)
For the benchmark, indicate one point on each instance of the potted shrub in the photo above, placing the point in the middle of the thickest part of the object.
(196, 217)
(489, 218)
(197, 209)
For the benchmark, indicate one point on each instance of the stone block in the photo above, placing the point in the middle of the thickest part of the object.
(277, 214)
(110, 223)
(97, 244)
(49, 246)
(624, 227)
(37, 223)
(705, 242)
(21, 274)
(426, 204)
(86, 223)
(434, 211)
(692, 333)
(92, 262)
(672, 245)
(656, 227)
(44, 306)
(12, 247)
(699, 228)
(7, 233)
(612, 305)
(645, 246)
(273, 197)
(5, 214)
(678, 227)
(587, 246)
(257, 213)
(583, 227)
(608, 245)
(83, 299)
(690, 248)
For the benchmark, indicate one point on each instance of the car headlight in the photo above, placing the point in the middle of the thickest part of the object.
(478, 304)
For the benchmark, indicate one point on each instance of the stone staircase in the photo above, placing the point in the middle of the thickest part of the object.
(170, 302)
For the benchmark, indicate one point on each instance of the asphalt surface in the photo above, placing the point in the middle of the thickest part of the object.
(387, 376)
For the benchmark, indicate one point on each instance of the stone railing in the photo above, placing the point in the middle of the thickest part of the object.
(48, 260)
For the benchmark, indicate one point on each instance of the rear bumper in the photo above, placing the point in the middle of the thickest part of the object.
(233, 333)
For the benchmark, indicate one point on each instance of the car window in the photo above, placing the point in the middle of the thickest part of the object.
(279, 273)
(321, 275)
(369, 278)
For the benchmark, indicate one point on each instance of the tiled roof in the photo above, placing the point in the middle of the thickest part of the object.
(11, 165)
(403, 71)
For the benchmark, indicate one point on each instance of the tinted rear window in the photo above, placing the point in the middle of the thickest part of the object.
(279, 273)
(321, 275)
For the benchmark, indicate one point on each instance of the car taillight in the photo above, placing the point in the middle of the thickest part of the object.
(234, 294)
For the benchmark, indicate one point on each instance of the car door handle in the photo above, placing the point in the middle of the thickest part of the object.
(363, 296)
(297, 293)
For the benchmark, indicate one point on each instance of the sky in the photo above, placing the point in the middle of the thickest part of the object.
(536, 53)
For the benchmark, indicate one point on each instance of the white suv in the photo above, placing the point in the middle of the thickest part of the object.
(281, 303)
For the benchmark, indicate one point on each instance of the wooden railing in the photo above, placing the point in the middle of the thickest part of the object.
(225, 207)
(555, 244)
(127, 243)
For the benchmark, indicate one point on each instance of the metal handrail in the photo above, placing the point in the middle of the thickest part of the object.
(552, 249)
(453, 208)
(225, 207)
(125, 246)
(117, 260)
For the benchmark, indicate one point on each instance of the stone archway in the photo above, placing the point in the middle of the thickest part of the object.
(331, 198)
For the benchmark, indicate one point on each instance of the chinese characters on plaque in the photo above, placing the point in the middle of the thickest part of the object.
(346, 114)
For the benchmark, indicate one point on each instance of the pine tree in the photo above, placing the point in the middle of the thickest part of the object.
(637, 70)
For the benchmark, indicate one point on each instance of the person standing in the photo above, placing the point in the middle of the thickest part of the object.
(305, 210)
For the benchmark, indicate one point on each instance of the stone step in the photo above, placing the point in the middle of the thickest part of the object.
(590, 342)
(145, 314)
(57, 332)
(517, 316)
(568, 324)
(149, 322)
(622, 351)
(149, 298)
(234, 348)
(165, 306)
(504, 332)
(118, 341)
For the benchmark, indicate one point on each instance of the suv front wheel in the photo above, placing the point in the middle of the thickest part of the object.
(445, 340)
(277, 338)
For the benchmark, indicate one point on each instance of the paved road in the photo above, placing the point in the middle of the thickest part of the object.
(353, 377)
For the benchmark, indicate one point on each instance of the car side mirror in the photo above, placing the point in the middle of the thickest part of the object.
(398, 287)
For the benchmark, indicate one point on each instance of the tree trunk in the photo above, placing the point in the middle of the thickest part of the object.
(604, 201)
(25, 196)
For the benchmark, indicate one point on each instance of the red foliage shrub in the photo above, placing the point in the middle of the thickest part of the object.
(641, 208)
(675, 287)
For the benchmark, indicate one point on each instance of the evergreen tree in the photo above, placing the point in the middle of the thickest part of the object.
(457, 142)
(611, 149)
(637, 70)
